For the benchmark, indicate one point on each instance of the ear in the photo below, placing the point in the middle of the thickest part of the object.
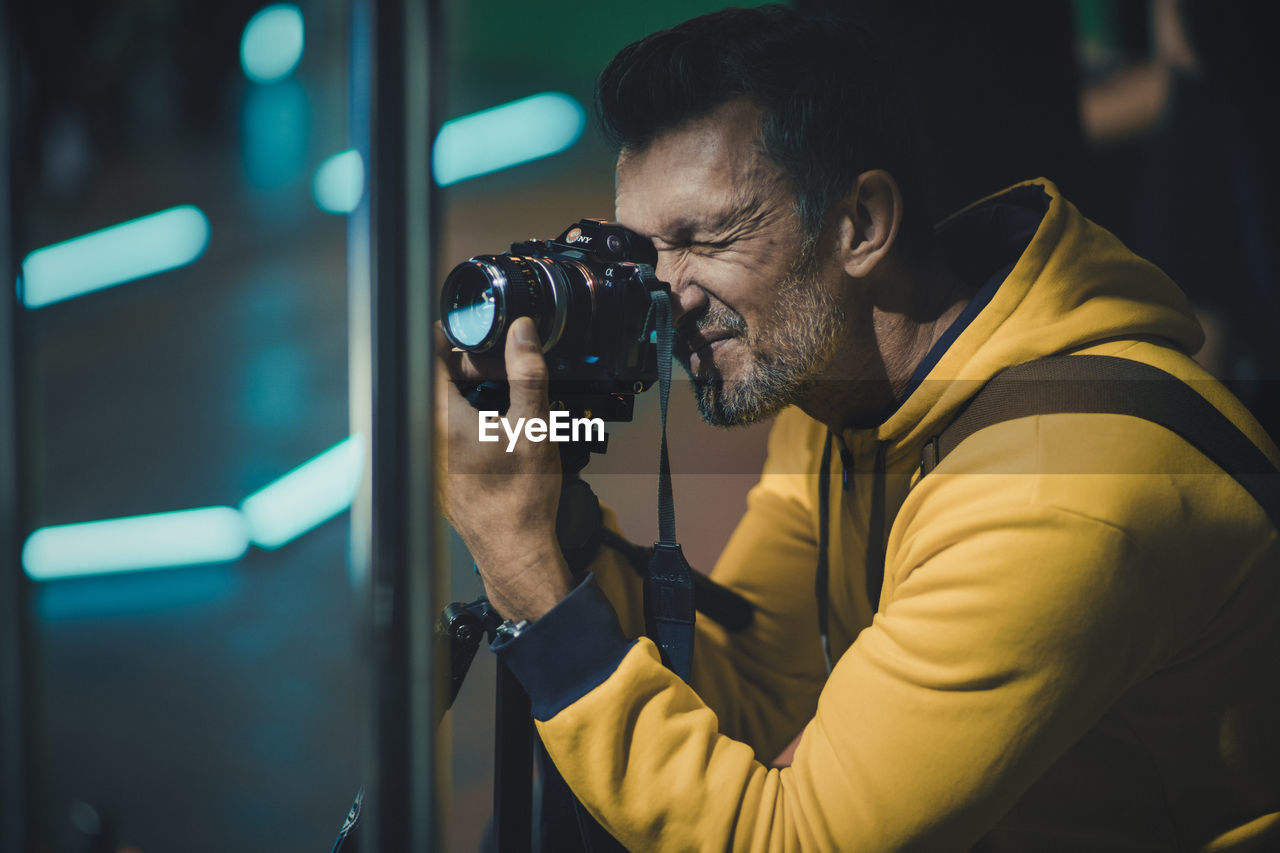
(869, 219)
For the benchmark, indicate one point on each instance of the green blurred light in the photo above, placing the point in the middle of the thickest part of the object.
(271, 46)
(141, 247)
(163, 540)
(507, 135)
(274, 133)
(299, 501)
(339, 182)
(306, 497)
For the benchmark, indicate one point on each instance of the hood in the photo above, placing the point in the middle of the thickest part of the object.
(1055, 283)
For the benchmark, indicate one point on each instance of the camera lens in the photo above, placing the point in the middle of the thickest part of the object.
(473, 305)
(483, 295)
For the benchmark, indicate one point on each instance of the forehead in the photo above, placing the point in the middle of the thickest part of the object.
(694, 176)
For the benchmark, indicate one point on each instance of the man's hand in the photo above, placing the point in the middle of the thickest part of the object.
(502, 504)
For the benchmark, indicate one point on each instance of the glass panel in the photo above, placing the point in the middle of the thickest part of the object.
(181, 219)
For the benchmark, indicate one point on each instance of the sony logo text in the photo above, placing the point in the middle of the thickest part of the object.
(558, 427)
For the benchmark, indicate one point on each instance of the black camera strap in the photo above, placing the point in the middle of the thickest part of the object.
(668, 588)
(1071, 384)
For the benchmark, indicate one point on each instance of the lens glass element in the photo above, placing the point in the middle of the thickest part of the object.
(473, 308)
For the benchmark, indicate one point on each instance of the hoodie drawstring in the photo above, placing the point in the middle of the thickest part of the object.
(822, 579)
(875, 535)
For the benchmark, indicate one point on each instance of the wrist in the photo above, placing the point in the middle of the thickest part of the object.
(527, 585)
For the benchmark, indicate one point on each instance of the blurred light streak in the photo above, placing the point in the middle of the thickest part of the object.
(274, 127)
(299, 501)
(135, 594)
(339, 182)
(141, 247)
(507, 135)
(306, 497)
(183, 538)
(271, 46)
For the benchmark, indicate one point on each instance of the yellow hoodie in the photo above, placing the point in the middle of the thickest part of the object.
(1077, 643)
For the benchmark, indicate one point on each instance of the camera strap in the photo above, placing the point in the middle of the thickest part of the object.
(668, 588)
(353, 817)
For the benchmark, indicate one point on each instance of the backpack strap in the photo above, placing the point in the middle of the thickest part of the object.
(1098, 384)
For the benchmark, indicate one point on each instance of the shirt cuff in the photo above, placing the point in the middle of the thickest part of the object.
(568, 652)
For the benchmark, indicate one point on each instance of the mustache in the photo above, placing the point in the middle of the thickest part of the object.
(713, 318)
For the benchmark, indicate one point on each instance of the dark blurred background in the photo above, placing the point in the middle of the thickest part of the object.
(212, 706)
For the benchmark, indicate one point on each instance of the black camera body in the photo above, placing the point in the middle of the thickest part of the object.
(589, 292)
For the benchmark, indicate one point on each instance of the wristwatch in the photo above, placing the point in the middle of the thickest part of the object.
(509, 630)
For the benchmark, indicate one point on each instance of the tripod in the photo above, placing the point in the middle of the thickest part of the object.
(578, 529)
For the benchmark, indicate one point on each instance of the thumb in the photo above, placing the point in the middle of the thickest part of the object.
(526, 370)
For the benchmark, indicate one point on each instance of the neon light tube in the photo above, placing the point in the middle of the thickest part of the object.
(161, 241)
(183, 538)
(306, 497)
(507, 135)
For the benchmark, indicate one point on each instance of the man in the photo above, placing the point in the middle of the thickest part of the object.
(1065, 638)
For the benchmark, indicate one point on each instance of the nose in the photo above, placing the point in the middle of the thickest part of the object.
(686, 296)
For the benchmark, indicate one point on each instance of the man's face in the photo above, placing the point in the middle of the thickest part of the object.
(758, 312)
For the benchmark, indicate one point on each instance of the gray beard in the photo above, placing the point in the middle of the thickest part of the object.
(804, 337)
(768, 389)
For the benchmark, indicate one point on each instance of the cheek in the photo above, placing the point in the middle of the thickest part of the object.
(744, 289)
(672, 266)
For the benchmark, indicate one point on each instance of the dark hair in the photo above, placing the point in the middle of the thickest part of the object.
(832, 107)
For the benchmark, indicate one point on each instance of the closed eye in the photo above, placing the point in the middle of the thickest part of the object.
(717, 245)
(702, 246)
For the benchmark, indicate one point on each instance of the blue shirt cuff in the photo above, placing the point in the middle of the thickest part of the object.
(568, 652)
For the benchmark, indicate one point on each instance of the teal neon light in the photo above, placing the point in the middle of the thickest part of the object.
(184, 538)
(339, 182)
(507, 135)
(271, 46)
(301, 500)
(151, 244)
(306, 497)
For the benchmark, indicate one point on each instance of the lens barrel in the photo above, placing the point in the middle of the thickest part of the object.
(482, 296)
(473, 305)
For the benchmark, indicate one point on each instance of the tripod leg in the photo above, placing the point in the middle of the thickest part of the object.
(577, 527)
(513, 766)
(565, 825)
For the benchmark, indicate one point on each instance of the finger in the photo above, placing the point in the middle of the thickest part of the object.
(477, 367)
(526, 370)
(465, 367)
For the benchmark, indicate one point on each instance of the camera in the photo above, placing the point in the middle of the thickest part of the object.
(588, 291)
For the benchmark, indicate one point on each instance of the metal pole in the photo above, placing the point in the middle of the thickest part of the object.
(14, 787)
(396, 539)
(512, 765)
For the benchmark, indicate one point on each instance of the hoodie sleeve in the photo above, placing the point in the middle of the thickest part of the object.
(1009, 634)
